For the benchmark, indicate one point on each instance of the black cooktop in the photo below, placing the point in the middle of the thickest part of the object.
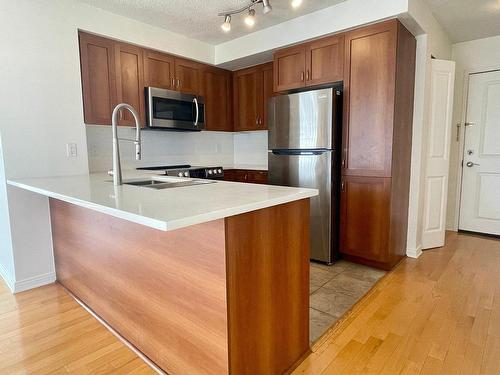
(165, 167)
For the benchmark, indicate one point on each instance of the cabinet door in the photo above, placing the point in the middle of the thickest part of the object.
(369, 99)
(257, 177)
(158, 70)
(247, 98)
(325, 60)
(218, 99)
(268, 87)
(129, 81)
(187, 76)
(289, 68)
(97, 59)
(364, 218)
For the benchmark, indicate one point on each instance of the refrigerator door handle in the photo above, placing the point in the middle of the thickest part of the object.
(299, 152)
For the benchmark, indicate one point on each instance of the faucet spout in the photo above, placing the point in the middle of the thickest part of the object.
(117, 170)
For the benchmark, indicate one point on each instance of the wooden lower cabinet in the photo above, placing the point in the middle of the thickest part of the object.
(365, 217)
(244, 175)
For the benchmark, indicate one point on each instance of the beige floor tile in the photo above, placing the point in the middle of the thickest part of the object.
(319, 322)
(331, 302)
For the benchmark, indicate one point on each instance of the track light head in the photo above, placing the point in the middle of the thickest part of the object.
(250, 18)
(226, 26)
(267, 7)
(296, 3)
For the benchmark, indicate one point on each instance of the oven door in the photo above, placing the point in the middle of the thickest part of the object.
(173, 110)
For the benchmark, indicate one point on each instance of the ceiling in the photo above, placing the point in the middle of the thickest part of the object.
(198, 19)
(466, 20)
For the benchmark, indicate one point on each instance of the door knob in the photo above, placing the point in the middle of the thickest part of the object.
(471, 164)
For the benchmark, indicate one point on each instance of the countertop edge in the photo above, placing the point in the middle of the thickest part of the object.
(172, 224)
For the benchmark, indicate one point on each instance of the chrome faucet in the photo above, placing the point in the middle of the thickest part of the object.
(117, 169)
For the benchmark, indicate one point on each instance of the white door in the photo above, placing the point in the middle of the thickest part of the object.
(438, 153)
(480, 199)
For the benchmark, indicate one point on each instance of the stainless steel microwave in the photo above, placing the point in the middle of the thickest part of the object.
(173, 110)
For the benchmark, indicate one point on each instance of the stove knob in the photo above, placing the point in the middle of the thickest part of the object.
(210, 171)
(180, 174)
(220, 170)
(186, 174)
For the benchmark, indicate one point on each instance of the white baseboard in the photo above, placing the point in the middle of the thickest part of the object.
(9, 280)
(34, 282)
(414, 253)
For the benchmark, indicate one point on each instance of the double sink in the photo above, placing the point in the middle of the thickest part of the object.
(160, 183)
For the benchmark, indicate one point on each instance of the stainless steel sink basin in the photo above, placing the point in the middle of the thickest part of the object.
(163, 184)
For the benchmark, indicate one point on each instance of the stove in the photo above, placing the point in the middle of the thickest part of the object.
(186, 170)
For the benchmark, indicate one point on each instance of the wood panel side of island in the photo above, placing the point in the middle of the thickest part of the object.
(267, 256)
(229, 296)
(164, 292)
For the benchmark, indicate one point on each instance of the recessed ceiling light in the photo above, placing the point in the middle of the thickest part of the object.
(250, 18)
(226, 26)
(296, 3)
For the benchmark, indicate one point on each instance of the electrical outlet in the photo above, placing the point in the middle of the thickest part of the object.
(71, 150)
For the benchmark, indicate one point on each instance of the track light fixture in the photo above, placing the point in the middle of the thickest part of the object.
(250, 18)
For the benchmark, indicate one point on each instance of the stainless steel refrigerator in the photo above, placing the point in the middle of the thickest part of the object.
(304, 151)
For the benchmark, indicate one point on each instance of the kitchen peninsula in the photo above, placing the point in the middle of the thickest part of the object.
(206, 279)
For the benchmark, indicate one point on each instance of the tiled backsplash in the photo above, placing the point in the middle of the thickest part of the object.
(168, 147)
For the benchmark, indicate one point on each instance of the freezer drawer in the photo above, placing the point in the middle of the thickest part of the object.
(301, 121)
(313, 170)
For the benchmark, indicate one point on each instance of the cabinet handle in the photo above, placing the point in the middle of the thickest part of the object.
(307, 75)
(257, 120)
(178, 83)
(121, 114)
(301, 76)
(342, 186)
(173, 82)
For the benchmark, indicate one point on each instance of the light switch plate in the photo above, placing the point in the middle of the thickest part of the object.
(71, 150)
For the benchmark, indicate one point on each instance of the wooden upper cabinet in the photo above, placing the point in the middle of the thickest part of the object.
(369, 88)
(217, 92)
(129, 81)
(325, 60)
(187, 76)
(290, 68)
(318, 62)
(267, 83)
(98, 78)
(252, 89)
(247, 98)
(159, 70)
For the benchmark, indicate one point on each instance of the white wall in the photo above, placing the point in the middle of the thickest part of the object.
(7, 270)
(432, 42)
(474, 56)
(42, 111)
(342, 16)
(160, 148)
(250, 149)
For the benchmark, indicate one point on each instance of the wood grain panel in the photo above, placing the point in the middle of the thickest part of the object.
(158, 70)
(188, 75)
(365, 209)
(247, 98)
(141, 282)
(97, 59)
(217, 91)
(369, 99)
(325, 60)
(268, 288)
(268, 87)
(130, 81)
(290, 68)
(401, 151)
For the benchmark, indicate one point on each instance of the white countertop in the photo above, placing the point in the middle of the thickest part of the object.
(166, 209)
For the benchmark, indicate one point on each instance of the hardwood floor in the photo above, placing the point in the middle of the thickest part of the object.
(439, 314)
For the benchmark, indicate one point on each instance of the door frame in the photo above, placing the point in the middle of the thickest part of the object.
(461, 134)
